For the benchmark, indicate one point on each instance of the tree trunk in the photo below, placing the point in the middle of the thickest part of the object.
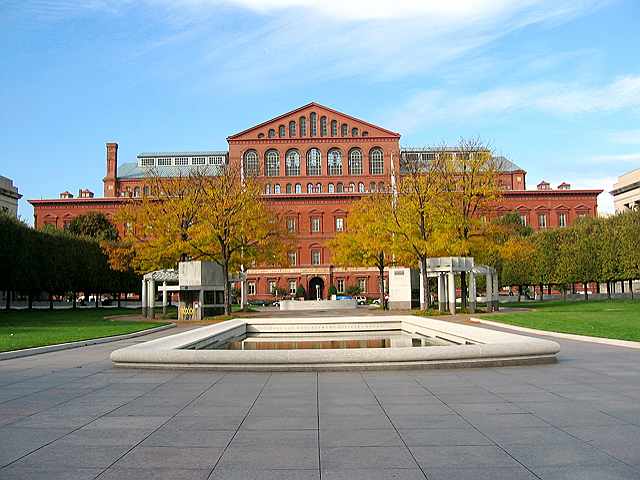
(50, 302)
(564, 293)
(609, 290)
(597, 287)
(549, 289)
(8, 300)
(74, 301)
(586, 295)
(425, 284)
(225, 275)
(631, 288)
(381, 281)
(463, 290)
(97, 300)
(541, 292)
(622, 286)
(118, 296)
(519, 294)
(30, 301)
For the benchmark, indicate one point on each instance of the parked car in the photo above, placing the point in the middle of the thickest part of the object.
(276, 304)
(361, 299)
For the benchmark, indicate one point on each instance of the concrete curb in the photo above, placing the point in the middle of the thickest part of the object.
(569, 336)
(27, 352)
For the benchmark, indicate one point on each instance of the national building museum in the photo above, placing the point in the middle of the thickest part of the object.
(313, 162)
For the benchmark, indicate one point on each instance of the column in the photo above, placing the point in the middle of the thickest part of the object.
(164, 298)
(496, 288)
(489, 294)
(442, 293)
(452, 293)
(151, 296)
(144, 297)
(472, 291)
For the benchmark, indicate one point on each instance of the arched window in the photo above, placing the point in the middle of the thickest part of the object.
(361, 187)
(251, 163)
(314, 162)
(136, 191)
(303, 126)
(272, 133)
(354, 132)
(281, 131)
(376, 162)
(372, 187)
(298, 188)
(344, 130)
(146, 190)
(365, 133)
(323, 126)
(288, 188)
(309, 187)
(314, 124)
(352, 187)
(355, 162)
(272, 163)
(330, 188)
(339, 188)
(381, 187)
(267, 189)
(292, 128)
(261, 135)
(335, 162)
(334, 128)
(292, 163)
(318, 188)
(276, 188)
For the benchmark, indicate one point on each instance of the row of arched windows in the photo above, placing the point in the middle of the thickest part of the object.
(300, 129)
(331, 188)
(251, 162)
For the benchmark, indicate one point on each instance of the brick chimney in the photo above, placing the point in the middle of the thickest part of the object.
(111, 180)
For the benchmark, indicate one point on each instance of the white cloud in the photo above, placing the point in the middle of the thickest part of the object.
(625, 136)
(554, 98)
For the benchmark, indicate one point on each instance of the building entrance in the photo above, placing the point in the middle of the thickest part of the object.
(316, 288)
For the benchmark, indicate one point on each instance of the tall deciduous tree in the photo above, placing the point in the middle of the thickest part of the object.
(471, 174)
(93, 224)
(368, 239)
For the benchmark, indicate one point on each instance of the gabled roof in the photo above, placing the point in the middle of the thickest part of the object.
(304, 107)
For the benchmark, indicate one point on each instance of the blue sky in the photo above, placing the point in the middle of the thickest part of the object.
(552, 84)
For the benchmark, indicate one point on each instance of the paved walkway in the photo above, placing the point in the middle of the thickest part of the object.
(70, 415)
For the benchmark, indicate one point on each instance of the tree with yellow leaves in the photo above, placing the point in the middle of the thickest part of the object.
(367, 240)
(203, 215)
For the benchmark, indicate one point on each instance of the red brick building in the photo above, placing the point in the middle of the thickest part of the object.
(313, 163)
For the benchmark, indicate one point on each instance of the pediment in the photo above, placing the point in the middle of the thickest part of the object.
(261, 131)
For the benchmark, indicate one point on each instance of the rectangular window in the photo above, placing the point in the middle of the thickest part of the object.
(292, 259)
(315, 225)
(562, 219)
(523, 220)
(147, 162)
(542, 220)
(362, 283)
(292, 287)
(251, 288)
(164, 162)
(291, 224)
(198, 161)
(339, 224)
(272, 287)
(181, 161)
(315, 257)
(340, 285)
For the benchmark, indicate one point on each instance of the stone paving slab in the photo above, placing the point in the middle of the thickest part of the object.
(71, 415)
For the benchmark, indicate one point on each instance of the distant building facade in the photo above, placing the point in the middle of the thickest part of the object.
(9, 197)
(626, 191)
(312, 164)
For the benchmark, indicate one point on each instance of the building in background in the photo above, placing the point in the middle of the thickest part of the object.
(312, 163)
(626, 191)
(9, 197)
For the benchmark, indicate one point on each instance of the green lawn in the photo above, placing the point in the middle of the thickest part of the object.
(618, 319)
(24, 329)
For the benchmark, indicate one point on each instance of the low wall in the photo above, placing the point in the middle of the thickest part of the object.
(318, 304)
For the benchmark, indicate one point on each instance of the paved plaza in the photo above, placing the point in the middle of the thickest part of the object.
(71, 415)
